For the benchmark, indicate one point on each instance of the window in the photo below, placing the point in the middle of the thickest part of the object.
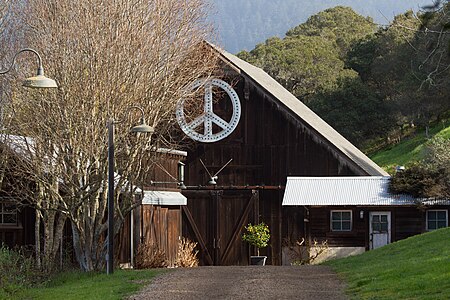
(380, 223)
(436, 219)
(8, 213)
(341, 220)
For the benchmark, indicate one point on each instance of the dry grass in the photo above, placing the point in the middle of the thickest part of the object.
(186, 254)
(150, 256)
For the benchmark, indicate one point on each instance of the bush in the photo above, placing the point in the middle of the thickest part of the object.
(257, 235)
(186, 254)
(17, 271)
(150, 256)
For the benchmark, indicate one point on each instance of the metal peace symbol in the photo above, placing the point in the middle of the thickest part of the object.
(208, 117)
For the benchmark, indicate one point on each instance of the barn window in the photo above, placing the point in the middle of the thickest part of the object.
(341, 220)
(436, 219)
(8, 213)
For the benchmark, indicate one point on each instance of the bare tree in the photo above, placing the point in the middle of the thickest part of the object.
(106, 56)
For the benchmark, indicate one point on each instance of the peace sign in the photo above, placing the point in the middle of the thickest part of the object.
(208, 117)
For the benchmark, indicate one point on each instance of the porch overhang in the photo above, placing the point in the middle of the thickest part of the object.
(164, 198)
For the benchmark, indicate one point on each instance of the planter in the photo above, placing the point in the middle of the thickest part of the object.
(258, 260)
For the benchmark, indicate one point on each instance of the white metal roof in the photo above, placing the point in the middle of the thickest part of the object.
(359, 190)
(164, 198)
(301, 111)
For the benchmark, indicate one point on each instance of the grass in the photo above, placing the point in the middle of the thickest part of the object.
(80, 285)
(414, 268)
(408, 150)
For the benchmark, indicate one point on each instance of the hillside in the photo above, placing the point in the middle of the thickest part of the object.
(243, 24)
(414, 268)
(408, 150)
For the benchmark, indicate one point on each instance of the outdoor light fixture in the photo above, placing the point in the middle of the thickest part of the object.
(361, 214)
(141, 128)
(39, 81)
(181, 175)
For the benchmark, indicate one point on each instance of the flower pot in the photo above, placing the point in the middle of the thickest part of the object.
(258, 260)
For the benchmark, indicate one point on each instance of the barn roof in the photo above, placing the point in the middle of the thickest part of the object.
(358, 190)
(300, 111)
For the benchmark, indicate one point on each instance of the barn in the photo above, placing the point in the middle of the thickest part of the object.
(237, 171)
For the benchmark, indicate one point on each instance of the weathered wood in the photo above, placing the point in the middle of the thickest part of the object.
(238, 228)
(198, 235)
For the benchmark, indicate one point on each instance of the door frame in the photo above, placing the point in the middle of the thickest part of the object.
(389, 217)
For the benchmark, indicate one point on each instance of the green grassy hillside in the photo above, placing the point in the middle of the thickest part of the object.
(414, 268)
(407, 151)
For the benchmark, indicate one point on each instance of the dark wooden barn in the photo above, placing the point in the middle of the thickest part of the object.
(276, 136)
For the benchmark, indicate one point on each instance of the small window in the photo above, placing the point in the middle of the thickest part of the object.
(341, 220)
(8, 213)
(436, 219)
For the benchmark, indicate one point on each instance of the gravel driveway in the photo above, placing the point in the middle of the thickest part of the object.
(249, 282)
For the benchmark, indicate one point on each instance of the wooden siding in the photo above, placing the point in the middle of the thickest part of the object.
(158, 225)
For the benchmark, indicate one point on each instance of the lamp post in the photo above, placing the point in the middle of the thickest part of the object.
(144, 128)
(38, 81)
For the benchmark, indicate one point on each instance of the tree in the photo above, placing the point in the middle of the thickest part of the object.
(305, 65)
(339, 24)
(354, 109)
(429, 179)
(106, 57)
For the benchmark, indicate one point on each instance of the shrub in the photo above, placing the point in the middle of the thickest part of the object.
(257, 235)
(150, 256)
(186, 254)
(17, 271)
(302, 252)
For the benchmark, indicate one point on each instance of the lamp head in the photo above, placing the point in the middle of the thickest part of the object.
(39, 82)
(213, 180)
(143, 127)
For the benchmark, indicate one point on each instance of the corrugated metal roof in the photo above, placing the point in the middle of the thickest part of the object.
(359, 190)
(271, 86)
(164, 198)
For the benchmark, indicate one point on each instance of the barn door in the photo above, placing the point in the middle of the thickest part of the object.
(216, 223)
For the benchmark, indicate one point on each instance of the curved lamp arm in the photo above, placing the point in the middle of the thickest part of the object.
(38, 81)
(40, 68)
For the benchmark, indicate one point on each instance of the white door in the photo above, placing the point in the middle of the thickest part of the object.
(380, 228)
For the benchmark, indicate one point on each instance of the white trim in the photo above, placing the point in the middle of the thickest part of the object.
(436, 210)
(385, 213)
(341, 211)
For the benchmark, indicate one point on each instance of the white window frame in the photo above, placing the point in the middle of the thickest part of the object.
(341, 211)
(437, 210)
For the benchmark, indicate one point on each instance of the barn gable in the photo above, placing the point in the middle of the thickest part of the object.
(305, 116)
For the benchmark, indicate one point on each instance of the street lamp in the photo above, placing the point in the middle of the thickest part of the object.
(38, 81)
(144, 128)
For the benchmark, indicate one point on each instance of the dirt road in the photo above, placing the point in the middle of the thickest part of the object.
(249, 282)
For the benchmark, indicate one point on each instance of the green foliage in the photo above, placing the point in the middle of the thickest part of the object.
(429, 178)
(17, 271)
(308, 61)
(368, 83)
(414, 268)
(257, 235)
(340, 25)
(355, 111)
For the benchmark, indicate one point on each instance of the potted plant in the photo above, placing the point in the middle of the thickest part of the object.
(258, 236)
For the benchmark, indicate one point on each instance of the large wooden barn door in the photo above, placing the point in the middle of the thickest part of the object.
(216, 219)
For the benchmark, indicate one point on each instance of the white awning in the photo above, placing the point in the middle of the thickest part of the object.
(358, 190)
(164, 198)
